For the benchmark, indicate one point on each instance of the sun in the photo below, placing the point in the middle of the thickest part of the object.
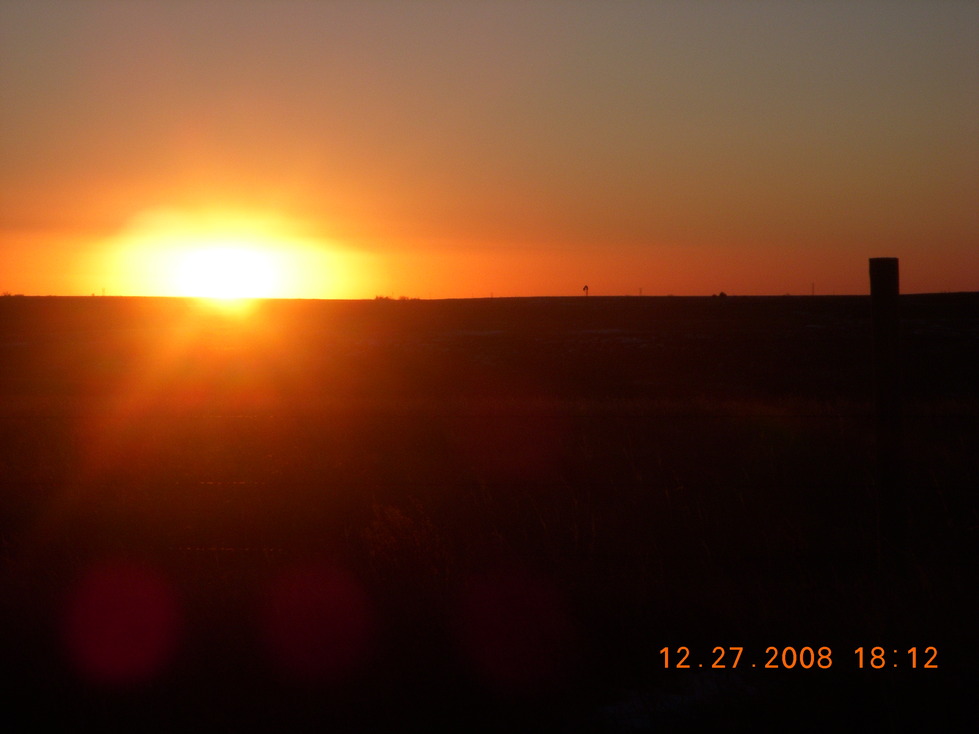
(228, 271)
(230, 256)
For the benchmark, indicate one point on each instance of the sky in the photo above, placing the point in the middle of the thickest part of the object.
(471, 148)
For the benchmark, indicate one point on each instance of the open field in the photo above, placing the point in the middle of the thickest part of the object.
(488, 513)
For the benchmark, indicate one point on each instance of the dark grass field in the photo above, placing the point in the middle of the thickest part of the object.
(482, 515)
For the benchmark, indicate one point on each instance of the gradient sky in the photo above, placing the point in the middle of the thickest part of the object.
(466, 148)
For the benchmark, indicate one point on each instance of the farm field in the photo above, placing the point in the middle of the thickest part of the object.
(488, 514)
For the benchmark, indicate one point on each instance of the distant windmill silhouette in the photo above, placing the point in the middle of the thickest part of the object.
(585, 289)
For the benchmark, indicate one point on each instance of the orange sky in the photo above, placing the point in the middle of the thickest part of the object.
(457, 149)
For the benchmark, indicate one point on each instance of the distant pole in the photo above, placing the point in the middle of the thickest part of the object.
(891, 498)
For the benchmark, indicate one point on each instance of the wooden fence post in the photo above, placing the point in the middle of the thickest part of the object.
(891, 499)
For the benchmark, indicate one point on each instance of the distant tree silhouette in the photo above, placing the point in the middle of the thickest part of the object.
(585, 289)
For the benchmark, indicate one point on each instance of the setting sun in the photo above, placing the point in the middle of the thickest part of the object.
(228, 272)
(231, 255)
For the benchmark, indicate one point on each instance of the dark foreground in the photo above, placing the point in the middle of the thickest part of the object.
(485, 514)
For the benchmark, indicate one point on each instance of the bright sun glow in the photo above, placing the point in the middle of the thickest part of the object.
(227, 272)
(229, 256)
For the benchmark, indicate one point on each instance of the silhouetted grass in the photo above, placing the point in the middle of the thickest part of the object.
(606, 478)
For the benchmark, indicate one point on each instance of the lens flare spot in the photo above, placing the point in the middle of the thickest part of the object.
(317, 624)
(122, 624)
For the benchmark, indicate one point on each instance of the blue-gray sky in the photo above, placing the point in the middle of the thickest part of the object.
(519, 148)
